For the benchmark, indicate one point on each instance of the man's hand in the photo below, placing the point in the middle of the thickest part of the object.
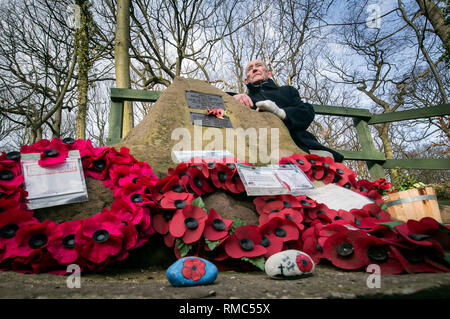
(270, 106)
(244, 99)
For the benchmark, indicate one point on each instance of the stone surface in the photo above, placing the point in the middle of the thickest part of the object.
(151, 283)
(153, 139)
(191, 271)
(289, 264)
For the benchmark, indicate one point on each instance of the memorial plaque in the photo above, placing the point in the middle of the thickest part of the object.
(212, 121)
(201, 101)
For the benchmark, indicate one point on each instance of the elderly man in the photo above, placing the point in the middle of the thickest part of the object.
(284, 102)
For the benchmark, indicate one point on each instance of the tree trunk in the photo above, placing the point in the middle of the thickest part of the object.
(434, 14)
(82, 51)
(122, 60)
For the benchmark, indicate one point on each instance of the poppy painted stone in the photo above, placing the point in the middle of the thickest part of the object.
(289, 264)
(191, 271)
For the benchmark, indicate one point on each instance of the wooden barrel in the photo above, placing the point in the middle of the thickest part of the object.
(414, 204)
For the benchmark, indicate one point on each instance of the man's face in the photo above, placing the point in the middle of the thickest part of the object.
(257, 72)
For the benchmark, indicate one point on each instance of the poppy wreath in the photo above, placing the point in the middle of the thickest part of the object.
(349, 240)
(173, 207)
(30, 246)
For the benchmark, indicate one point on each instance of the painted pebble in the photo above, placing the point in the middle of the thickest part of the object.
(191, 271)
(289, 264)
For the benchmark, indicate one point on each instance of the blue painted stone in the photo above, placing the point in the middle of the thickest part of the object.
(191, 271)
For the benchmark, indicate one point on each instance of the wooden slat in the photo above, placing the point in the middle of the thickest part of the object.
(367, 145)
(425, 112)
(363, 156)
(115, 123)
(421, 163)
(342, 111)
(134, 95)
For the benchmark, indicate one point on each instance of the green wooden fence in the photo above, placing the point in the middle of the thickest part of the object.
(362, 118)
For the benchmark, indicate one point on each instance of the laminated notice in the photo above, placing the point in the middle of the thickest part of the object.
(273, 180)
(53, 185)
(185, 156)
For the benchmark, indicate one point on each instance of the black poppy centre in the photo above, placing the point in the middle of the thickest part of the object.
(136, 198)
(179, 203)
(279, 232)
(37, 241)
(9, 231)
(14, 155)
(50, 152)
(100, 164)
(69, 241)
(222, 176)
(6, 175)
(191, 223)
(265, 242)
(345, 250)
(378, 253)
(100, 236)
(247, 244)
(218, 224)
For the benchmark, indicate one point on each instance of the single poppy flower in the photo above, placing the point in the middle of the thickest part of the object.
(130, 237)
(175, 200)
(63, 249)
(320, 211)
(413, 260)
(8, 204)
(311, 246)
(245, 242)
(144, 227)
(10, 175)
(100, 237)
(381, 254)
(188, 223)
(193, 269)
(220, 175)
(234, 183)
(218, 253)
(216, 227)
(99, 165)
(34, 237)
(160, 221)
(272, 242)
(37, 147)
(10, 222)
(261, 201)
(133, 194)
(198, 182)
(299, 160)
(283, 228)
(54, 153)
(347, 249)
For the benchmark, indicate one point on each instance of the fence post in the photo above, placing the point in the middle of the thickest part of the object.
(115, 123)
(365, 139)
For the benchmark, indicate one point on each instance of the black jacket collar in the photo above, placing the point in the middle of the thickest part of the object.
(268, 84)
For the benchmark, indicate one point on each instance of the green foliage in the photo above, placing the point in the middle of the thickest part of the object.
(199, 202)
(257, 261)
(183, 247)
(212, 244)
(236, 223)
(402, 181)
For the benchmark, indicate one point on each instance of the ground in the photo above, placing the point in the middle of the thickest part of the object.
(150, 282)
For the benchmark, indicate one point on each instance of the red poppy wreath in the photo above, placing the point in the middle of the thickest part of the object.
(173, 208)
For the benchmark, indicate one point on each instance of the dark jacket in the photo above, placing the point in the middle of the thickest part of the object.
(299, 114)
